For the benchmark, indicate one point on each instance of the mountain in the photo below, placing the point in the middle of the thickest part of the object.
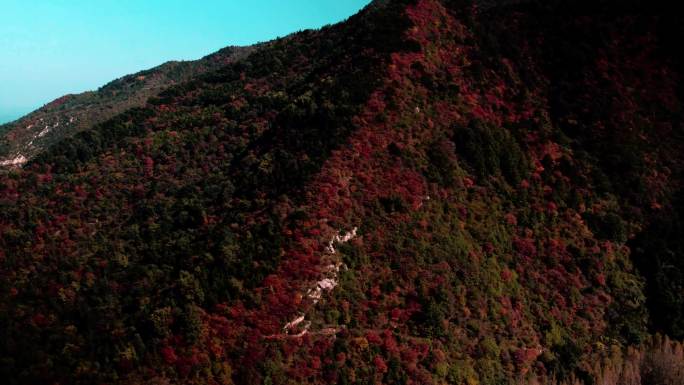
(64, 117)
(431, 192)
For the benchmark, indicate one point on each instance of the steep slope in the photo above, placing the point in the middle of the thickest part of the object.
(220, 157)
(21, 140)
(427, 193)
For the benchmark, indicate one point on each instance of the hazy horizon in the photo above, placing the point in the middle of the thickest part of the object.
(52, 48)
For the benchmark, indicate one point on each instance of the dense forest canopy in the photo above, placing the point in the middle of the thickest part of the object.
(431, 192)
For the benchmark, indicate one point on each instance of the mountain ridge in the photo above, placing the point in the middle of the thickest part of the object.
(67, 115)
(17, 137)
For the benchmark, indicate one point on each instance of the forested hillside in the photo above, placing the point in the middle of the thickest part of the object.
(66, 116)
(431, 192)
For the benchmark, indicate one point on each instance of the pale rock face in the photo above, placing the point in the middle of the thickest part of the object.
(349, 236)
(44, 132)
(315, 294)
(330, 281)
(340, 239)
(15, 162)
(294, 323)
(327, 283)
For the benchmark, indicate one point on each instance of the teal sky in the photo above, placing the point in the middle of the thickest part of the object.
(49, 48)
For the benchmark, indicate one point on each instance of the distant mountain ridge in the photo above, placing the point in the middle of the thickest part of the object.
(26, 137)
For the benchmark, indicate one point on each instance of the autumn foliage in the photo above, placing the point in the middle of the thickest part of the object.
(423, 194)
